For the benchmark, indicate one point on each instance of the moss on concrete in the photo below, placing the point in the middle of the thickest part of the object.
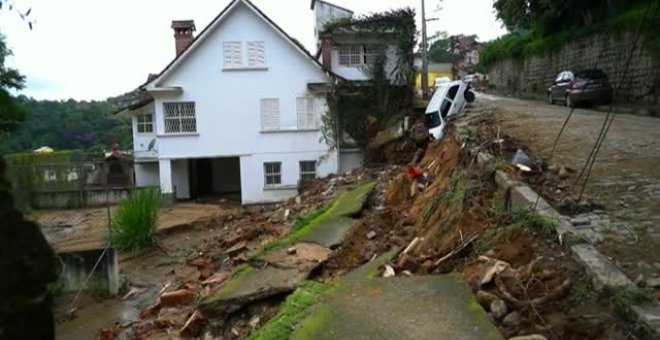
(238, 280)
(294, 309)
(313, 324)
(348, 203)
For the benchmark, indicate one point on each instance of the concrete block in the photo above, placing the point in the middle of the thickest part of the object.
(603, 272)
(503, 181)
(649, 315)
(523, 197)
(101, 267)
(483, 158)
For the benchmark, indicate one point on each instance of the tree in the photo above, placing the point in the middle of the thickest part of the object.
(439, 51)
(11, 112)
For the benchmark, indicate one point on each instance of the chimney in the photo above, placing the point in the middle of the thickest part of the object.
(326, 52)
(183, 34)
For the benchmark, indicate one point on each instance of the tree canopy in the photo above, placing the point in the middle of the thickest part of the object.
(439, 51)
(11, 112)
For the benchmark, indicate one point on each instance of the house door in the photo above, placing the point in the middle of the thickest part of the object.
(201, 177)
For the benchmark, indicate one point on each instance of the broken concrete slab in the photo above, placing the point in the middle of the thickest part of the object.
(330, 232)
(422, 307)
(603, 272)
(251, 285)
(504, 181)
(304, 255)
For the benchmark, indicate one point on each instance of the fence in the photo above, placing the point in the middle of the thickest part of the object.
(70, 184)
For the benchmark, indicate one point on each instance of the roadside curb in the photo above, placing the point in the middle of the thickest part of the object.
(604, 274)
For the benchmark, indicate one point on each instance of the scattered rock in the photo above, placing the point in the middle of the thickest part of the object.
(291, 251)
(216, 278)
(298, 200)
(513, 319)
(529, 337)
(553, 167)
(279, 216)
(581, 220)
(407, 262)
(498, 308)
(371, 234)
(653, 283)
(568, 204)
(177, 297)
(236, 249)
(642, 265)
(563, 173)
(486, 298)
(389, 271)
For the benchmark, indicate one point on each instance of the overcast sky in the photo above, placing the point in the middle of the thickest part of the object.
(93, 49)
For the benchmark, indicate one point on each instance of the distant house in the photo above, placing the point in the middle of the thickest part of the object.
(349, 51)
(237, 112)
(465, 49)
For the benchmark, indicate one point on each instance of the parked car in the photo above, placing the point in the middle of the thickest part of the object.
(449, 99)
(577, 87)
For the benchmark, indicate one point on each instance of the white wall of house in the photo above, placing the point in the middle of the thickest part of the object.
(141, 140)
(147, 174)
(228, 105)
(180, 178)
(325, 13)
(358, 73)
(226, 175)
(253, 185)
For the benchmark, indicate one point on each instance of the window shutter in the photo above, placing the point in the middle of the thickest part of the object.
(270, 114)
(256, 54)
(305, 111)
(232, 56)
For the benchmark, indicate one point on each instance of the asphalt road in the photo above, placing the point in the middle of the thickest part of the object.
(625, 178)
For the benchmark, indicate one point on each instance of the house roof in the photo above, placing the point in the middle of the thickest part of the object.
(199, 39)
(330, 4)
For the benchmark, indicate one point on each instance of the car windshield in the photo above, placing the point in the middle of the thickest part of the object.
(433, 120)
(591, 74)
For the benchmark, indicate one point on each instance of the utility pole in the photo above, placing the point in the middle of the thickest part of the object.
(425, 61)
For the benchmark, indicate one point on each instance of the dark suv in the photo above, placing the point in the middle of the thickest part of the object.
(574, 87)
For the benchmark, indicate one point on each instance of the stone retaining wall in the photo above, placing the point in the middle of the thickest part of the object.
(535, 74)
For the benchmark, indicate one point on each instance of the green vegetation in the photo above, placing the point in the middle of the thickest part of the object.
(301, 227)
(135, 222)
(513, 223)
(70, 125)
(548, 25)
(12, 113)
(388, 94)
(294, 309)
(439, 50)
(580, 290)
(624, 297)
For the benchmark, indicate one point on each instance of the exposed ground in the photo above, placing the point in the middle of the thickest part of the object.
(625, 178)
(84, 229)
(443, 215)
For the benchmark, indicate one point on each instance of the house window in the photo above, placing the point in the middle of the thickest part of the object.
(145, 123)
(307, 170)
(273, 173)
(356, 55)
(256, 54)
(232, 54)
(270, 113)
(180, 117)
(305, 110)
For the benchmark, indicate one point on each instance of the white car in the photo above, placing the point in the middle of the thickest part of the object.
(448, 100)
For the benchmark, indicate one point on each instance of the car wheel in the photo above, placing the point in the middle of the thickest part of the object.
(550, 100)
(570, 102)
(469, 96)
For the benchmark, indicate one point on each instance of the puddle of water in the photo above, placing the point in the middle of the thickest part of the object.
(94, 315)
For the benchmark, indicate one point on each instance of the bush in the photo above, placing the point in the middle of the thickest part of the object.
(134, 224)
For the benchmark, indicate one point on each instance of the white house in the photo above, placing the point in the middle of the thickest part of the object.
(238, 111)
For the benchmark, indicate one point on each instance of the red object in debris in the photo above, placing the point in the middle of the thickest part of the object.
(414, 172)
(177, 297)
(107, 333)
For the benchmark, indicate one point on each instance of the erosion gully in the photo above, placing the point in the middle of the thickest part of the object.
(441, 214)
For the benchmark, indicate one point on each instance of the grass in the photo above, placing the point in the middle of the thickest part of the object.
(623, 298)
(580, 291)
(135, 221)
(294, 309)
(510, 224)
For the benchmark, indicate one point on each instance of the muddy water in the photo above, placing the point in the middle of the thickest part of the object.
(92, 315)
